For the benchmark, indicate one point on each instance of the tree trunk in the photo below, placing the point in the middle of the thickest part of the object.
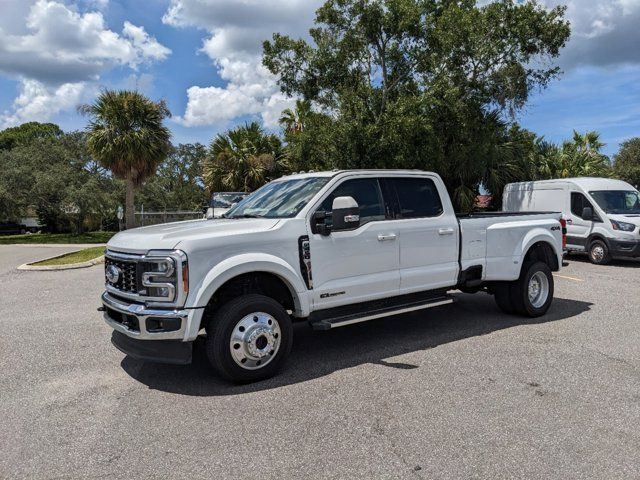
(130, 215)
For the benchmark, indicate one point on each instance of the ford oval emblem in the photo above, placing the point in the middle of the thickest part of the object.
(112, 273)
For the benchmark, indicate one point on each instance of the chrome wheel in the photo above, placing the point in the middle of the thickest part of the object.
(255, 340)
(597, 253)
(538, 289)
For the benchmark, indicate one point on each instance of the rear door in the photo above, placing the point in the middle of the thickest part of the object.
(360, 264)
(428, 234)
(578, 229)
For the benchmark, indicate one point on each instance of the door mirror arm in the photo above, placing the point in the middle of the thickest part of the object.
(322, 223)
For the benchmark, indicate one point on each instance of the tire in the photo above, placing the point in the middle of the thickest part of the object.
(502, 295)
(532, 293)
(599, 253)
(253, 327)
(470, 290)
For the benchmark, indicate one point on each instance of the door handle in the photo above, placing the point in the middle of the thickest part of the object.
(386, 238)
(445, 231)
(569, 220)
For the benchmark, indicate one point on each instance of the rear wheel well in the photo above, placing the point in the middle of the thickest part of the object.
(542, 252)
(263, 283)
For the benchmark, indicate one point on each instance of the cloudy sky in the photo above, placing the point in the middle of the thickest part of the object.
(203, 57)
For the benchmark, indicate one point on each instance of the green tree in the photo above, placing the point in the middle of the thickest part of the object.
(293, 121)
(177, 184)
(579, 157)
(127, 136)
(243, 159)
(422, 83)
(627, 162)
(27, 133)
(57, 178)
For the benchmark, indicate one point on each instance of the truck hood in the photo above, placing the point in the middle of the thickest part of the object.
(168, 236)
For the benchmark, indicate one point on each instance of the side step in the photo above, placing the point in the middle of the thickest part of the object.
(341, 316)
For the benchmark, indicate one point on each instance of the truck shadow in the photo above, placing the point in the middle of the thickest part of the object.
(316, 354)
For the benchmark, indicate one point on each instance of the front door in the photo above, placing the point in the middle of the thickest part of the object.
(359, 264)
(578, 229)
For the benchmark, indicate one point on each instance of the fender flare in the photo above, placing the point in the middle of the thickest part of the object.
(538, 235)
(248, 263)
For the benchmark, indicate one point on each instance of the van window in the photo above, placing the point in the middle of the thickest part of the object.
(418, 197)
(366, 192)
(578, 203)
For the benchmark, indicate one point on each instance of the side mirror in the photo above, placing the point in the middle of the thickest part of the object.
(587, 213)
(210, 213)
(345, 213)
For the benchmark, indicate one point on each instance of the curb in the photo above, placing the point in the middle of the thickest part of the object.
(54, 245)
(70, 266)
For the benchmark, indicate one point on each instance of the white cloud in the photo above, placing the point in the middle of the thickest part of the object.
(236, 32)
(603, 32)
(62, 45)
(39, 102)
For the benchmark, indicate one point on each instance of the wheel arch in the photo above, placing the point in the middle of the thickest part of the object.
(542, 251)
(271, 273)
(540, 244)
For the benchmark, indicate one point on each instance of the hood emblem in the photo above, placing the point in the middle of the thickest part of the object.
(113, 274)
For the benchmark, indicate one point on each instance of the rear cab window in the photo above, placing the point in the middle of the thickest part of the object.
(416, 197)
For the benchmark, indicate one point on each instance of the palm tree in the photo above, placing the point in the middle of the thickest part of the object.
(126, 136)
(242, 159)
(294, 121)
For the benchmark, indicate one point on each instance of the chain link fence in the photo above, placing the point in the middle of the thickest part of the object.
(144, 217)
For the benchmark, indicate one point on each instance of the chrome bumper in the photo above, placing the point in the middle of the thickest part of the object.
(141, 313)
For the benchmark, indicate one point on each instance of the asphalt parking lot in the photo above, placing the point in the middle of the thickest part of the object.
(459, 391)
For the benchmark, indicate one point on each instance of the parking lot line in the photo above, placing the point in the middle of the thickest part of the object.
(568, 278)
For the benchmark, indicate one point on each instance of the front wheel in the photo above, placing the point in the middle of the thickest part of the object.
(249, 338)
(599, 253)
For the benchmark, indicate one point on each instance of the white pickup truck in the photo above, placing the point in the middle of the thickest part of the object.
(333, 248)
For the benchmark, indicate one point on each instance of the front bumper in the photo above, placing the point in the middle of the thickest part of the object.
(139, 322)
(625, 248)
(159, 351)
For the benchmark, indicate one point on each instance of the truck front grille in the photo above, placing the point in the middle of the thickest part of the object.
(127, 281)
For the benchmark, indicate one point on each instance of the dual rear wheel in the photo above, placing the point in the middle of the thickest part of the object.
(531, 295)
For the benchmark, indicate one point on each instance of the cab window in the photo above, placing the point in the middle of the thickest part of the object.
(417, 197)
(365, 191)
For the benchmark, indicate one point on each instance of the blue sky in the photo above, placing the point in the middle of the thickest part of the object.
(203, 58)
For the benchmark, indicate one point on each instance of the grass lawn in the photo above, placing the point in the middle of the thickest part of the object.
(89, 237)
(74, 257)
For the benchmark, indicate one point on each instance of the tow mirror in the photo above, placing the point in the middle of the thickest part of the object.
(345, 213)
(587, 213)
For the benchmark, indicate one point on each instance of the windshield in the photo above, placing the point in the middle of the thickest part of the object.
(279, 199)
(227, 199)
(618, 201)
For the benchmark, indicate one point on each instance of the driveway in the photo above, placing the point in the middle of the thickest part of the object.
(455, 391)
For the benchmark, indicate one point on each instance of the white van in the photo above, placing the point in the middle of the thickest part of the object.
(602, 214)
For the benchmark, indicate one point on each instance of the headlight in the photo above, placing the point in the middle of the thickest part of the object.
(164, 276)
(623, 226)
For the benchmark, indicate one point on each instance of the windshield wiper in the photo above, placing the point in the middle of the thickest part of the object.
(247, 215)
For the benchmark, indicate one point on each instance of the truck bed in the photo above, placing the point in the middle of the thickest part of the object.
(497, 241)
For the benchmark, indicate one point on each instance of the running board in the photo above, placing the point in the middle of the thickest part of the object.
(327, 321)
